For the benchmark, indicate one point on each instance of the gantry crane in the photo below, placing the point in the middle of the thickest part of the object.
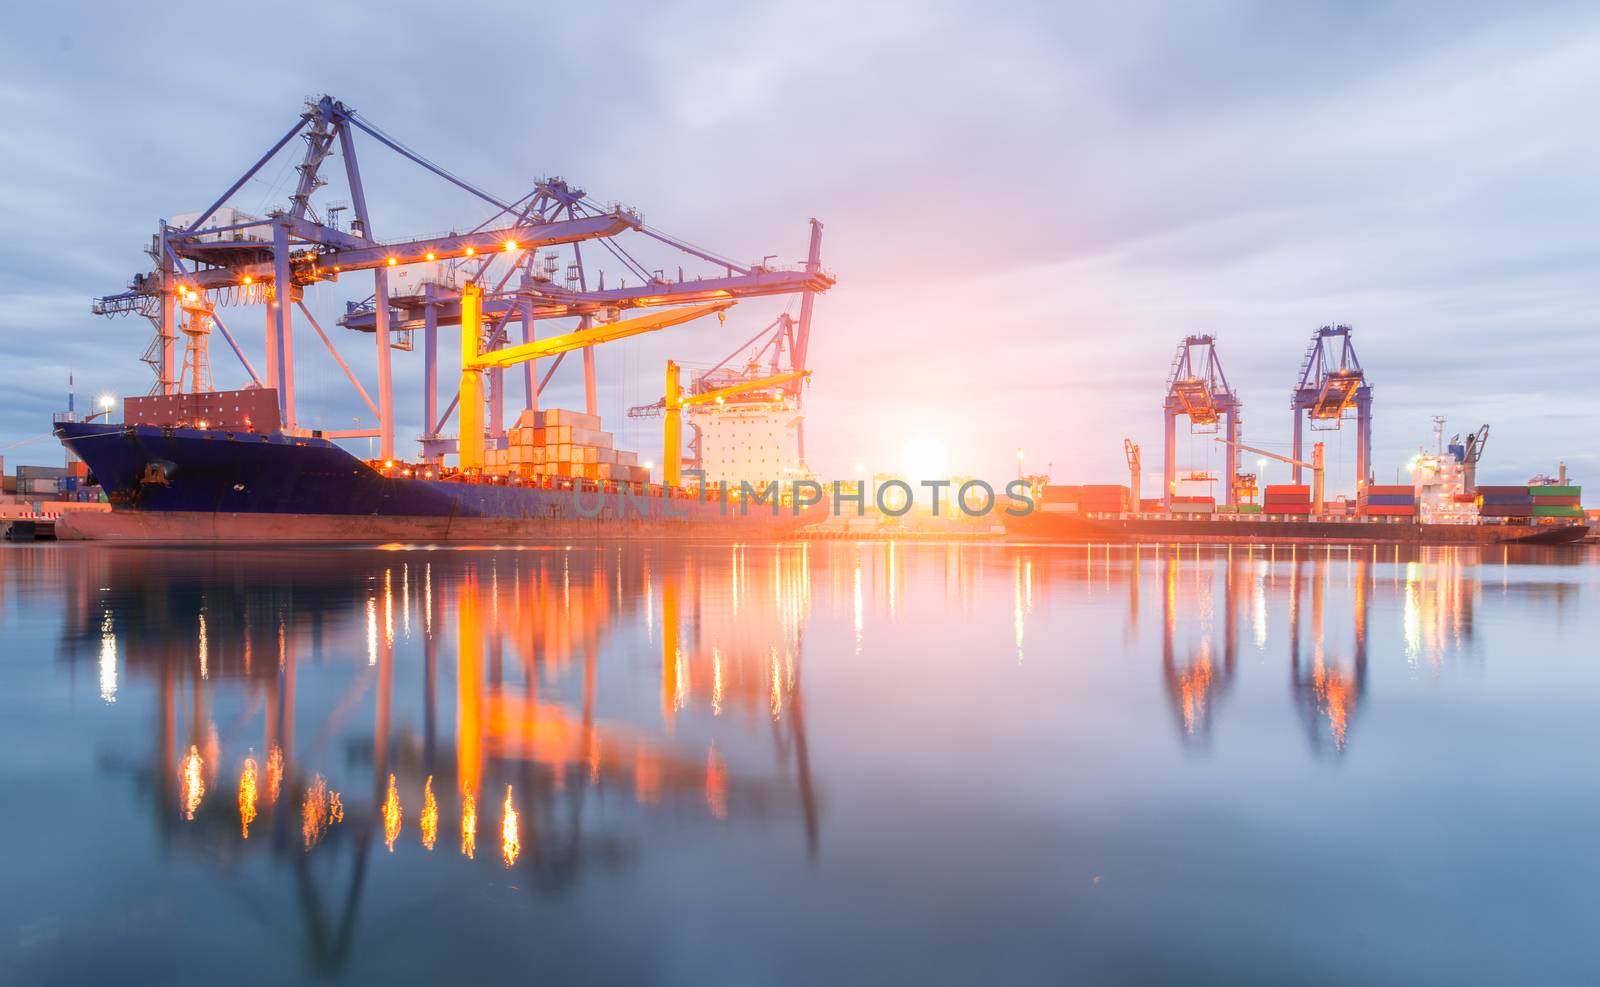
(474, 362)
(229, 258)
(1198, 389)
(1315, 466)
(675, 401)
(765, 350)
(1332, 384)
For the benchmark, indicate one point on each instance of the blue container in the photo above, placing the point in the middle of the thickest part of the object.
(1391, 500)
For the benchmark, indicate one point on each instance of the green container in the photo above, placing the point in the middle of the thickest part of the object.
(1551, 510)
(1556, 491)
(1227, 508)
(1249, 508)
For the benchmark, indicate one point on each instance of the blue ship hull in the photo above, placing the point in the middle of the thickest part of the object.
(186, 484)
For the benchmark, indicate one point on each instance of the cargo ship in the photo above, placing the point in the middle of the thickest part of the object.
(1425, 514)
(200, 484)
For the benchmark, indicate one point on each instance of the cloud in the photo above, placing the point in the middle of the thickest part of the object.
(1027, 205)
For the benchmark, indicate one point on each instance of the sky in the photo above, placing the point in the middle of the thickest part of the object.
(1026, 206)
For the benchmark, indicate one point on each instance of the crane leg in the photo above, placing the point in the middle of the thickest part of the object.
(1231, 457)
(1299, 440)
(380, 286)
(1169, 461)
(430, 361)
(672, 431)
(529, 377)
(1363, 443)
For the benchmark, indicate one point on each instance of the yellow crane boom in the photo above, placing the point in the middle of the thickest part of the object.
(676, 401)
(474, 362)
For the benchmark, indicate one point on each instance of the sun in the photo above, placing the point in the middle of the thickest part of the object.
(924, 457)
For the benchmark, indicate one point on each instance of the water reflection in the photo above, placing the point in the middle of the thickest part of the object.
(597, 702)
(511, 697)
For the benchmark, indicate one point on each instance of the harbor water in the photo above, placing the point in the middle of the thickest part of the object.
(807, 763)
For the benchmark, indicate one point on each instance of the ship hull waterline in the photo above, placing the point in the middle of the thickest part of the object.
(178, 485)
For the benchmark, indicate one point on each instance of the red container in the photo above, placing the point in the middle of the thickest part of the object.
(1506, 510)
(1290, 490)
(1503, 491)
(1061, 494)
(1539, 501)
(1391, 490)
(1379, 510)
(1193, 500)
(1287, 509)
(1150, 505)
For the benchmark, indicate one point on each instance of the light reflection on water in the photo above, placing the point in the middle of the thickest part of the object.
(799, 763)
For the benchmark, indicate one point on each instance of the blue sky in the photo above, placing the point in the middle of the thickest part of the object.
(1027, 205)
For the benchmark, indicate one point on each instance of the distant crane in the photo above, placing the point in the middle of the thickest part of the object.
(1131, 451)
(1472, 452)
(1198, 389)
(1315, 466)
(1332, 384)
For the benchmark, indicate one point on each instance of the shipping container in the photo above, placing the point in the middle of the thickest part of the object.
(1556, 490)
(1391, 489)
(1506, 510)
(1298, 490)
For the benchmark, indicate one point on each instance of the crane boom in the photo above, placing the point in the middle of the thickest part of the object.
(1315, 466)
(474, 362)
(605, 333)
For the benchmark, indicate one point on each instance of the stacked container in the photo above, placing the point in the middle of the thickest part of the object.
(1391, 501)
(1103, 498)
(1287, 498)
(1557, 501)
(1194, 505)
(1505, 502)
(1060, 499)
(565, 444)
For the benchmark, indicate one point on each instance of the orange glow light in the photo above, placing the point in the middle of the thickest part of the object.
(469, 825)
(247, 797)
(192, 784)
(392, 262)
(430, 815)
(391, 816)
(471, 251)
(511, 245)
(320, 810)
(510, 840)
(274, 773)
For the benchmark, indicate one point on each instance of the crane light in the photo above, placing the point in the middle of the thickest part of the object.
(248, 279)
(392, 262)
(430, 255)
(471, 251)
(511, 245)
